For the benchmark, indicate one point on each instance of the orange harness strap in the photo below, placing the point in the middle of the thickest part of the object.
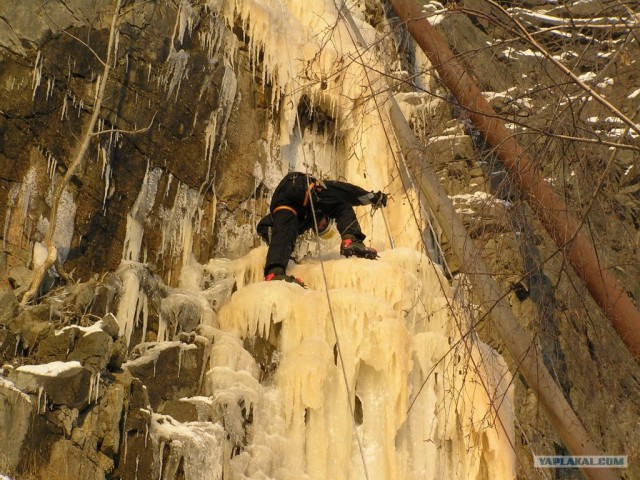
(306, 194)
(285, 207)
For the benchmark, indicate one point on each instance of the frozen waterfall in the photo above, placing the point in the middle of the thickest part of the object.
(423, 402)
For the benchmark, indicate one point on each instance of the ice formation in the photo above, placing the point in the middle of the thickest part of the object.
(199, 442)
(374, 374)
(427, 402)
(373, 366)
(308, 52)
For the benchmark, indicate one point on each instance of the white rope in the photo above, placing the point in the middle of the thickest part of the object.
(326, 283)
(346, 14)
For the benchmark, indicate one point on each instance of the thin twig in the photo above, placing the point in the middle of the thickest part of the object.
(76, 164)
(129, 132)
(95, 54)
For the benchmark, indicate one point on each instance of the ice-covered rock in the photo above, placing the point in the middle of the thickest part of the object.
(170, 370)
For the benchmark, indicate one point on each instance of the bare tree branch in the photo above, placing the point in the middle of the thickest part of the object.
(77, 162)
(118, 130)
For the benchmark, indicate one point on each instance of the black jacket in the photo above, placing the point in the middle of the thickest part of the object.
(331, 197)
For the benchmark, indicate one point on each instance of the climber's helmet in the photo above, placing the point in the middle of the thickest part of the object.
(325, 224)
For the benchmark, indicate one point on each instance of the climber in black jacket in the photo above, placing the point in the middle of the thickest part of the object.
(291, 215)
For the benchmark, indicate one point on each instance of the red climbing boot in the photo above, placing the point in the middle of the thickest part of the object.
(277, 273)
(351, 246)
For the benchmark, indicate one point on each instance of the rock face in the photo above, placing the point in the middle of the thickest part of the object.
(171, 370)
(182, 163)
(17, 409)
(79, 405)
(61, 383)
(170, 104)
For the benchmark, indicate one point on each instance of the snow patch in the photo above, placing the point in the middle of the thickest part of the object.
(52, 369)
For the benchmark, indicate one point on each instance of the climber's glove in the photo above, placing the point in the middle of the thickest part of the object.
(378, 199)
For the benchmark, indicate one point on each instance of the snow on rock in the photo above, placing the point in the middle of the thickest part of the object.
(183, 311)
(96, 327)
(59, 383)
(51, 369)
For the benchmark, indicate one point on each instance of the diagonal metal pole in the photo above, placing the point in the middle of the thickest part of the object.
(548, 206)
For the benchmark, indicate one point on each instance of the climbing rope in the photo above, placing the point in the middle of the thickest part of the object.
(464, 335)
(326, 283)
(353, 29)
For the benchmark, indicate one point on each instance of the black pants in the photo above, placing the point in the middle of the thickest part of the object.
(284, 232)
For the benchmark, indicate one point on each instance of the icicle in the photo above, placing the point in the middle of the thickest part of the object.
(24, 200)
(94, 388)
(186, 19)
(161, 454)
(145, 316)
(91, 385)
(140, 307)
(39, 402)
(11, 201)
(64, 227)
(42, 401)
(106, 175)
(178, 62)
(37, 74)
(179, 361)
(128, 306)
(50, 84)
(162, 328)
(112, 140)
(115, 48)
(124, 422)
(210, 140)
(139, 214)
(169, 180)
(51, 167)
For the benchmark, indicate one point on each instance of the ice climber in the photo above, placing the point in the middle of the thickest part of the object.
(291, 215)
